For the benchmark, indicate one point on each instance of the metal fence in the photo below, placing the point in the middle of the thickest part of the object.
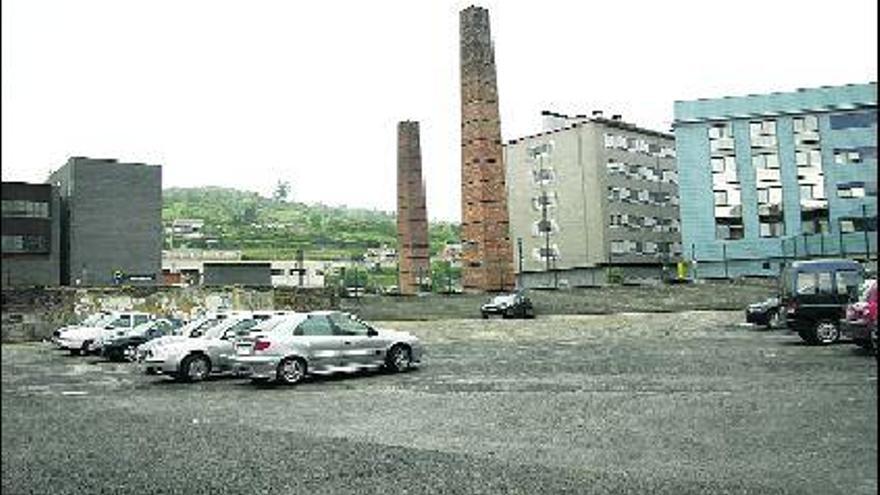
(728, 261)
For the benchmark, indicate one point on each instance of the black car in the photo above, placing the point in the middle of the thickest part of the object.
(815, 295)
(516, 305)
(122, 347)
(764, 313)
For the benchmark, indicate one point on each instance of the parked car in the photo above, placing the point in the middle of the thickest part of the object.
(515, 305)
(200, 355)
(122, 345)
(860, 322)
(95, 319)
(764, 313)
(323, 342)
(83, 340)
(815, 294)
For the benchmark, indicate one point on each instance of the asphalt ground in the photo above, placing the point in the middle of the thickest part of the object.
(669, 403)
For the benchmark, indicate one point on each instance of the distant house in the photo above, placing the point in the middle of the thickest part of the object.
(451, 253)
(190, 267)
(187, 228)
(382, 257)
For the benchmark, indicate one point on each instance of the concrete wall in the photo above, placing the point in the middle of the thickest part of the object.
(32, 314)
(237, 273)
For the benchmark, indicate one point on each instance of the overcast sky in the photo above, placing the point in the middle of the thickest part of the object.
(246, 93)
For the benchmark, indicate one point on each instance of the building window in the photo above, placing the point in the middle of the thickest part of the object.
(548, 199)
(23, 208)
(851, 190)
(543, 227)
(853, 120)
(544, 176)
(543, 253)
(853, 156)
(25, 244)
(858, 224)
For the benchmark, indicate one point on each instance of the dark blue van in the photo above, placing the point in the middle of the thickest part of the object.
(814, 295)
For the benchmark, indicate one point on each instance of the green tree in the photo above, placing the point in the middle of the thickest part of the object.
(282, 190)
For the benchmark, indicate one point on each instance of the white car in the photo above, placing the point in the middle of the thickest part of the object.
(202, 353)
(87, 339)
(95, 319)
(198, 326)
(324, 342)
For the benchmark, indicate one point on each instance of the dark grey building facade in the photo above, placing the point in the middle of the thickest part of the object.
(111, 222)
(31, 234)
(237, 273)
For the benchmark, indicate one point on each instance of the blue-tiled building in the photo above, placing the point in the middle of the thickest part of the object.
(769, 177)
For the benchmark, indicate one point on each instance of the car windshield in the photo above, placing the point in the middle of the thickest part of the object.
(279, 322)
(216, 331)
(95, 319)
(200, 328)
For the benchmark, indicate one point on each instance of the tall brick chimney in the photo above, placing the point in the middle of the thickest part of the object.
(412, 216)
(487, 253)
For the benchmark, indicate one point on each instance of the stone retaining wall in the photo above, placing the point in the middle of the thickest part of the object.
(34, 313)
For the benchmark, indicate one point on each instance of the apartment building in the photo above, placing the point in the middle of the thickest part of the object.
(592, 197)
(770, 177)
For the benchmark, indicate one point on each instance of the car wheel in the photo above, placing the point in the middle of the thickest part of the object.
(774, 320)
(291, 371)
(826, 332)
(399, 358)
(485, 316)
(195, 368)
(115, 354)
(84, 350)
(130, 353)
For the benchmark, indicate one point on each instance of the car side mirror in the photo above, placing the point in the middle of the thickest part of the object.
(371, 332)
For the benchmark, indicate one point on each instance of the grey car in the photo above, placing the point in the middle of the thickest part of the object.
(324, 342)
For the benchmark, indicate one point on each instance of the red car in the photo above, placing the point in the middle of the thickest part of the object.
(860, 324)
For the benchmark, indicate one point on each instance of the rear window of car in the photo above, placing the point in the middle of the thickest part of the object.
(848, 283)
(814, 283)
(122, 321)
(315, 326)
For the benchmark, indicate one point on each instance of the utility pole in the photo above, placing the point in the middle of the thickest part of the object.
(724, 257)
(519, 250)
(449, 277)
(545, 223)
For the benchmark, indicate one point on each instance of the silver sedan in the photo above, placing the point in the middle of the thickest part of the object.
(324, 342)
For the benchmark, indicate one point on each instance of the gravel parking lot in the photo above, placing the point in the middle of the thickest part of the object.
(689, 402)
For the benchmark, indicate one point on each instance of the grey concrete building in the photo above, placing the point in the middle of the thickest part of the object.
(31, 234)
(111, 221)
(237, 273)
(592, 197)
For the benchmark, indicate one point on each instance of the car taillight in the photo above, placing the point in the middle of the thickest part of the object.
(261, 345)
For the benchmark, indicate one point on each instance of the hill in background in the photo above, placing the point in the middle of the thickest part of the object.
(266, 228)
